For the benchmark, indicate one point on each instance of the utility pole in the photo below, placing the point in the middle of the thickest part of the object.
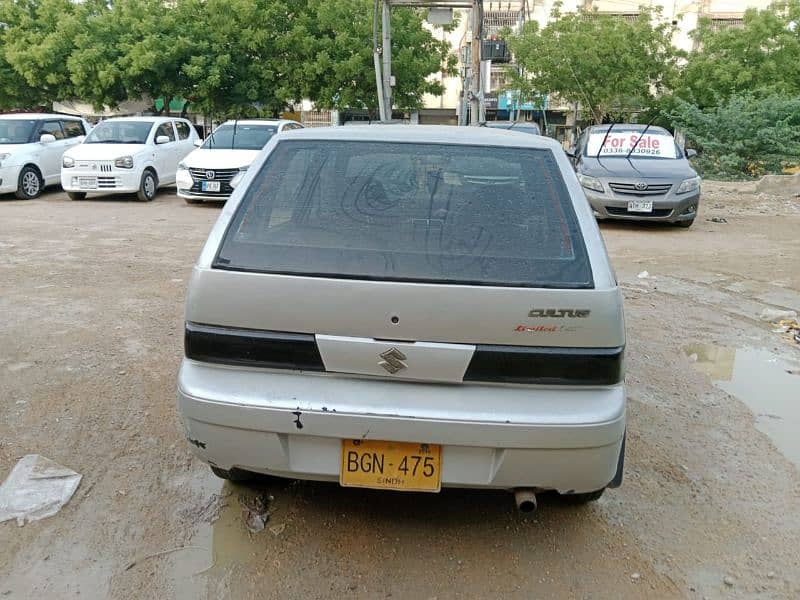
(376, 58)
(475, 56)
(387, 62)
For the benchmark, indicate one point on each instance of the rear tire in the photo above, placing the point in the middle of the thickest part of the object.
(684, 224)
(578, 499)
(29, 184)
(233, 474)
(148, 186)
(77, 195)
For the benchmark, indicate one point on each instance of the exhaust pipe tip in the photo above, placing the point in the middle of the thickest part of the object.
(525, 500)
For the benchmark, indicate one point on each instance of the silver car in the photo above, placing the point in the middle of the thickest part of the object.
(408, 308)
(636, 172)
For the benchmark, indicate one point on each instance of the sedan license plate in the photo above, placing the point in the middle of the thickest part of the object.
(400, 466)
(210, 186)
(643, 206)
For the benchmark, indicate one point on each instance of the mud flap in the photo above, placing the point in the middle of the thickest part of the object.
(617, 481)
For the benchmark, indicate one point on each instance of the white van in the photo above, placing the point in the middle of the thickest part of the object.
(31, 147)
(408, 308)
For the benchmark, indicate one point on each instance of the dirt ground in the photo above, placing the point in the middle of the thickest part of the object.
(91, 301)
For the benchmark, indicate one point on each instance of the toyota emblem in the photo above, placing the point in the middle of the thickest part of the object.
(212, 175)
(640, 185)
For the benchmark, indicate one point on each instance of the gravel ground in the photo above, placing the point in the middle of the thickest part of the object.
(91, 298)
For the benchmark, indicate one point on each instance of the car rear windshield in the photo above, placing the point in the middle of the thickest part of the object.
(240, 137)
(438, 213)
(120, 132)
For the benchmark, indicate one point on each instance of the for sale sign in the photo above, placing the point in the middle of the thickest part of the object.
(620, 143)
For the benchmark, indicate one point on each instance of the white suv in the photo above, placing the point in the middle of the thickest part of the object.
(213, 170)
(31, 147)
(128, 155)
(407, 308)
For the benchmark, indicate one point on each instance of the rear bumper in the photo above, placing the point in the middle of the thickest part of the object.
(670, 208)
(292, 424)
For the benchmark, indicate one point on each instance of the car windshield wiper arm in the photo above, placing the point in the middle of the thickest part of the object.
(600, 149)
(639, 139)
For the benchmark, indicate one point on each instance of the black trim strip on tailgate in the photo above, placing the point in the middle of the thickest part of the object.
(548, 366)
(248, 347)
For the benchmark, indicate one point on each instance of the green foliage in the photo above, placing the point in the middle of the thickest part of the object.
(746, 135)
(36, 42)
(762, 57)
(611, 66)
(337, 63)
(243, 59)
(228, 57)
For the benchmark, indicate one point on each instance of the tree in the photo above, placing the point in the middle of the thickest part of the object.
(128, 50)
(745, 135)
(245, 60)
(337, 62)
(609, 65)
(37, 38)
(762, 56)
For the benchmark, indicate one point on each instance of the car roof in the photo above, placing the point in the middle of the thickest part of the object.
(34, 116)
(258, 121)
(425, 134)
(627, 127)
(511, 124)
(153, 119)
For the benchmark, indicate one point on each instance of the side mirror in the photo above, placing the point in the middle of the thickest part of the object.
(570, 152)
(198, 142)
(691, 153)
(47, 138)
(162, 139)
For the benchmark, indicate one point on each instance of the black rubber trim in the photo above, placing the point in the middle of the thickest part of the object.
(248, 347)
(546, 366)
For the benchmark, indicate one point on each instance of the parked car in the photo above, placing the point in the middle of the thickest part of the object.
(356, 270)
(629, 173)
(211, 171)
(31, 147)
(521, 126)
(128, 155)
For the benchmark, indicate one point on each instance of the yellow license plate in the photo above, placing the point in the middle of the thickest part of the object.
(408, 467)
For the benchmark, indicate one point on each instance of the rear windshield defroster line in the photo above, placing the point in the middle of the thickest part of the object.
(432, 213)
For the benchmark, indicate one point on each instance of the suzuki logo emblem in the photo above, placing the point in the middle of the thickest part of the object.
(393, 360)
(210, 174)
(640, 185)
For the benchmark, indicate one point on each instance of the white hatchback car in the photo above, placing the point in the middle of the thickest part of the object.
(31, 147)
(128, 155)
(408, 308)
(212, 171)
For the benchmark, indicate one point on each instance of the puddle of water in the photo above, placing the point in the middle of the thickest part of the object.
(763, 382)
(221, 555)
